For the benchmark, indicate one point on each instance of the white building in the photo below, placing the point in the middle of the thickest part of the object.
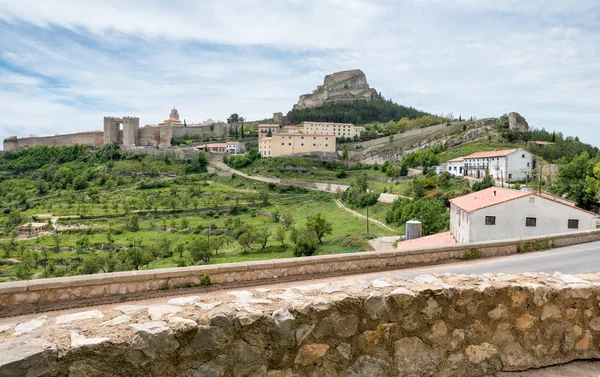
(510, 165)
(346, 130)
(501, 213)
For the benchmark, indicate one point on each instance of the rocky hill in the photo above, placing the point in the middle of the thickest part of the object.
(339, 87)
(454, 135)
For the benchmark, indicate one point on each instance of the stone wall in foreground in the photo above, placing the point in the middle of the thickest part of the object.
(23, 296)
(438, 326)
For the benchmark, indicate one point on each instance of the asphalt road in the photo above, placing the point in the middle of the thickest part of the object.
(577, 259)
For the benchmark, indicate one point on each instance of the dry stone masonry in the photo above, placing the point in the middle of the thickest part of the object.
(433, 325)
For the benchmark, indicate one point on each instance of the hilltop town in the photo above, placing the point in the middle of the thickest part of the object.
(219, 205)
(343, 170)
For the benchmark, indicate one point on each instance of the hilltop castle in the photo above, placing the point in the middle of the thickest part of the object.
(339, 87)
(126, 131)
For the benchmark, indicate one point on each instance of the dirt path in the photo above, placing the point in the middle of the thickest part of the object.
(319, 186)
(377, 222)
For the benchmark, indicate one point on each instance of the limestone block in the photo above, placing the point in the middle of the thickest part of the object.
(151, 340)
(413, 358)
(310, 353)
(480, 353)
(369, 366)
(80, 316)
(208, 338)
(29, 326)
(78, 341)
(26, 356)
(157, 312)
(219, 319)
(374, 306)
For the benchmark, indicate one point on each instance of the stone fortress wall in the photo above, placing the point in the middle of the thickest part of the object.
(125, 131)
(442, 326)
(92, 139)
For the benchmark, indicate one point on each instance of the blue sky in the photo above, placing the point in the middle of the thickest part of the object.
(65, 64)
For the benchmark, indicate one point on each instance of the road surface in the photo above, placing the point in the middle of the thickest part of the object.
(576, 259)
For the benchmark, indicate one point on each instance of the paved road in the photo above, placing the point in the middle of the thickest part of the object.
(577, 259)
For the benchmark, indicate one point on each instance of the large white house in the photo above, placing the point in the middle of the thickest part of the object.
(501, 213)
(510, 165)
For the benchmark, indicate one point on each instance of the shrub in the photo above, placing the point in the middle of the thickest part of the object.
(205, 280)
(472, 254)
(540, 245)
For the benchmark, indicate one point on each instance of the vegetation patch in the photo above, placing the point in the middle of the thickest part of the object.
(472, 254)
(541, 245)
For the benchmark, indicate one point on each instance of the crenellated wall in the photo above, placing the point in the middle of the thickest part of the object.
(91, 139)
(442, 326)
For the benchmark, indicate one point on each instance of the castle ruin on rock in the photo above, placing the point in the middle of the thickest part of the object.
(126, 131)
(339, 87)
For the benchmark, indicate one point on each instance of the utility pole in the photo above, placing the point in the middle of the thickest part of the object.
(367, 219)
(209, 238)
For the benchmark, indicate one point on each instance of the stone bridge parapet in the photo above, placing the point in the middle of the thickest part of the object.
(433, 325)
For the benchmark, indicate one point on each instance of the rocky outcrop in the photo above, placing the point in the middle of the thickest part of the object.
(438, 325)
(517, 123)
(339, 87)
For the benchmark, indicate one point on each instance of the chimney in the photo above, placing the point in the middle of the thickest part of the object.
(494, 192)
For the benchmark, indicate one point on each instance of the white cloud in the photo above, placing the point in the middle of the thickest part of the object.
(66, 64)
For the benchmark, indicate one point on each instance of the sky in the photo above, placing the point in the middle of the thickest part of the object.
(65, 64)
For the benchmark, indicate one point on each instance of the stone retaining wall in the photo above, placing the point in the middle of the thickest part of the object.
(16, 295)
(438, 326)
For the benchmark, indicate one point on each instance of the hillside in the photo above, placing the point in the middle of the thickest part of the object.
(463, 138)
(356, 112)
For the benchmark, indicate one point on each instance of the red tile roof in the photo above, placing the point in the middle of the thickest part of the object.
(459, 159)
(501, 153)
(496, 195)
(486, 198)
(440, 239)
(266, 139)
(296, 135)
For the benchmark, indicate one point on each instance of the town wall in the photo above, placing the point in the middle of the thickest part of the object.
(149, 136)
(219, 130)
(91, 139)
(21, 295)
(442, 326)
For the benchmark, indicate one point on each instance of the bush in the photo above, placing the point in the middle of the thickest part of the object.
(430, 211)
(472, 254)
(205, 280)
(305, 243)
(342, 174)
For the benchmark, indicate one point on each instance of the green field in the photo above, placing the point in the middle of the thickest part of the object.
(172, 208)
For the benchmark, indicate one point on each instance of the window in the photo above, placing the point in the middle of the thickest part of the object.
(490, 220)
(510, 176)
(325, 144)
(301, 137)
(314, 145)
(523, 156)
(289, 143)
(302, 144)
(314, 137)
(573, 224)
(528, 164)
(530, 221)
(282, 143)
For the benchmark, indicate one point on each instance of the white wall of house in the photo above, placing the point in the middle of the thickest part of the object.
(459, 224)
(514, 167)
(519, 165)
(550, 216)
(456, 167)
